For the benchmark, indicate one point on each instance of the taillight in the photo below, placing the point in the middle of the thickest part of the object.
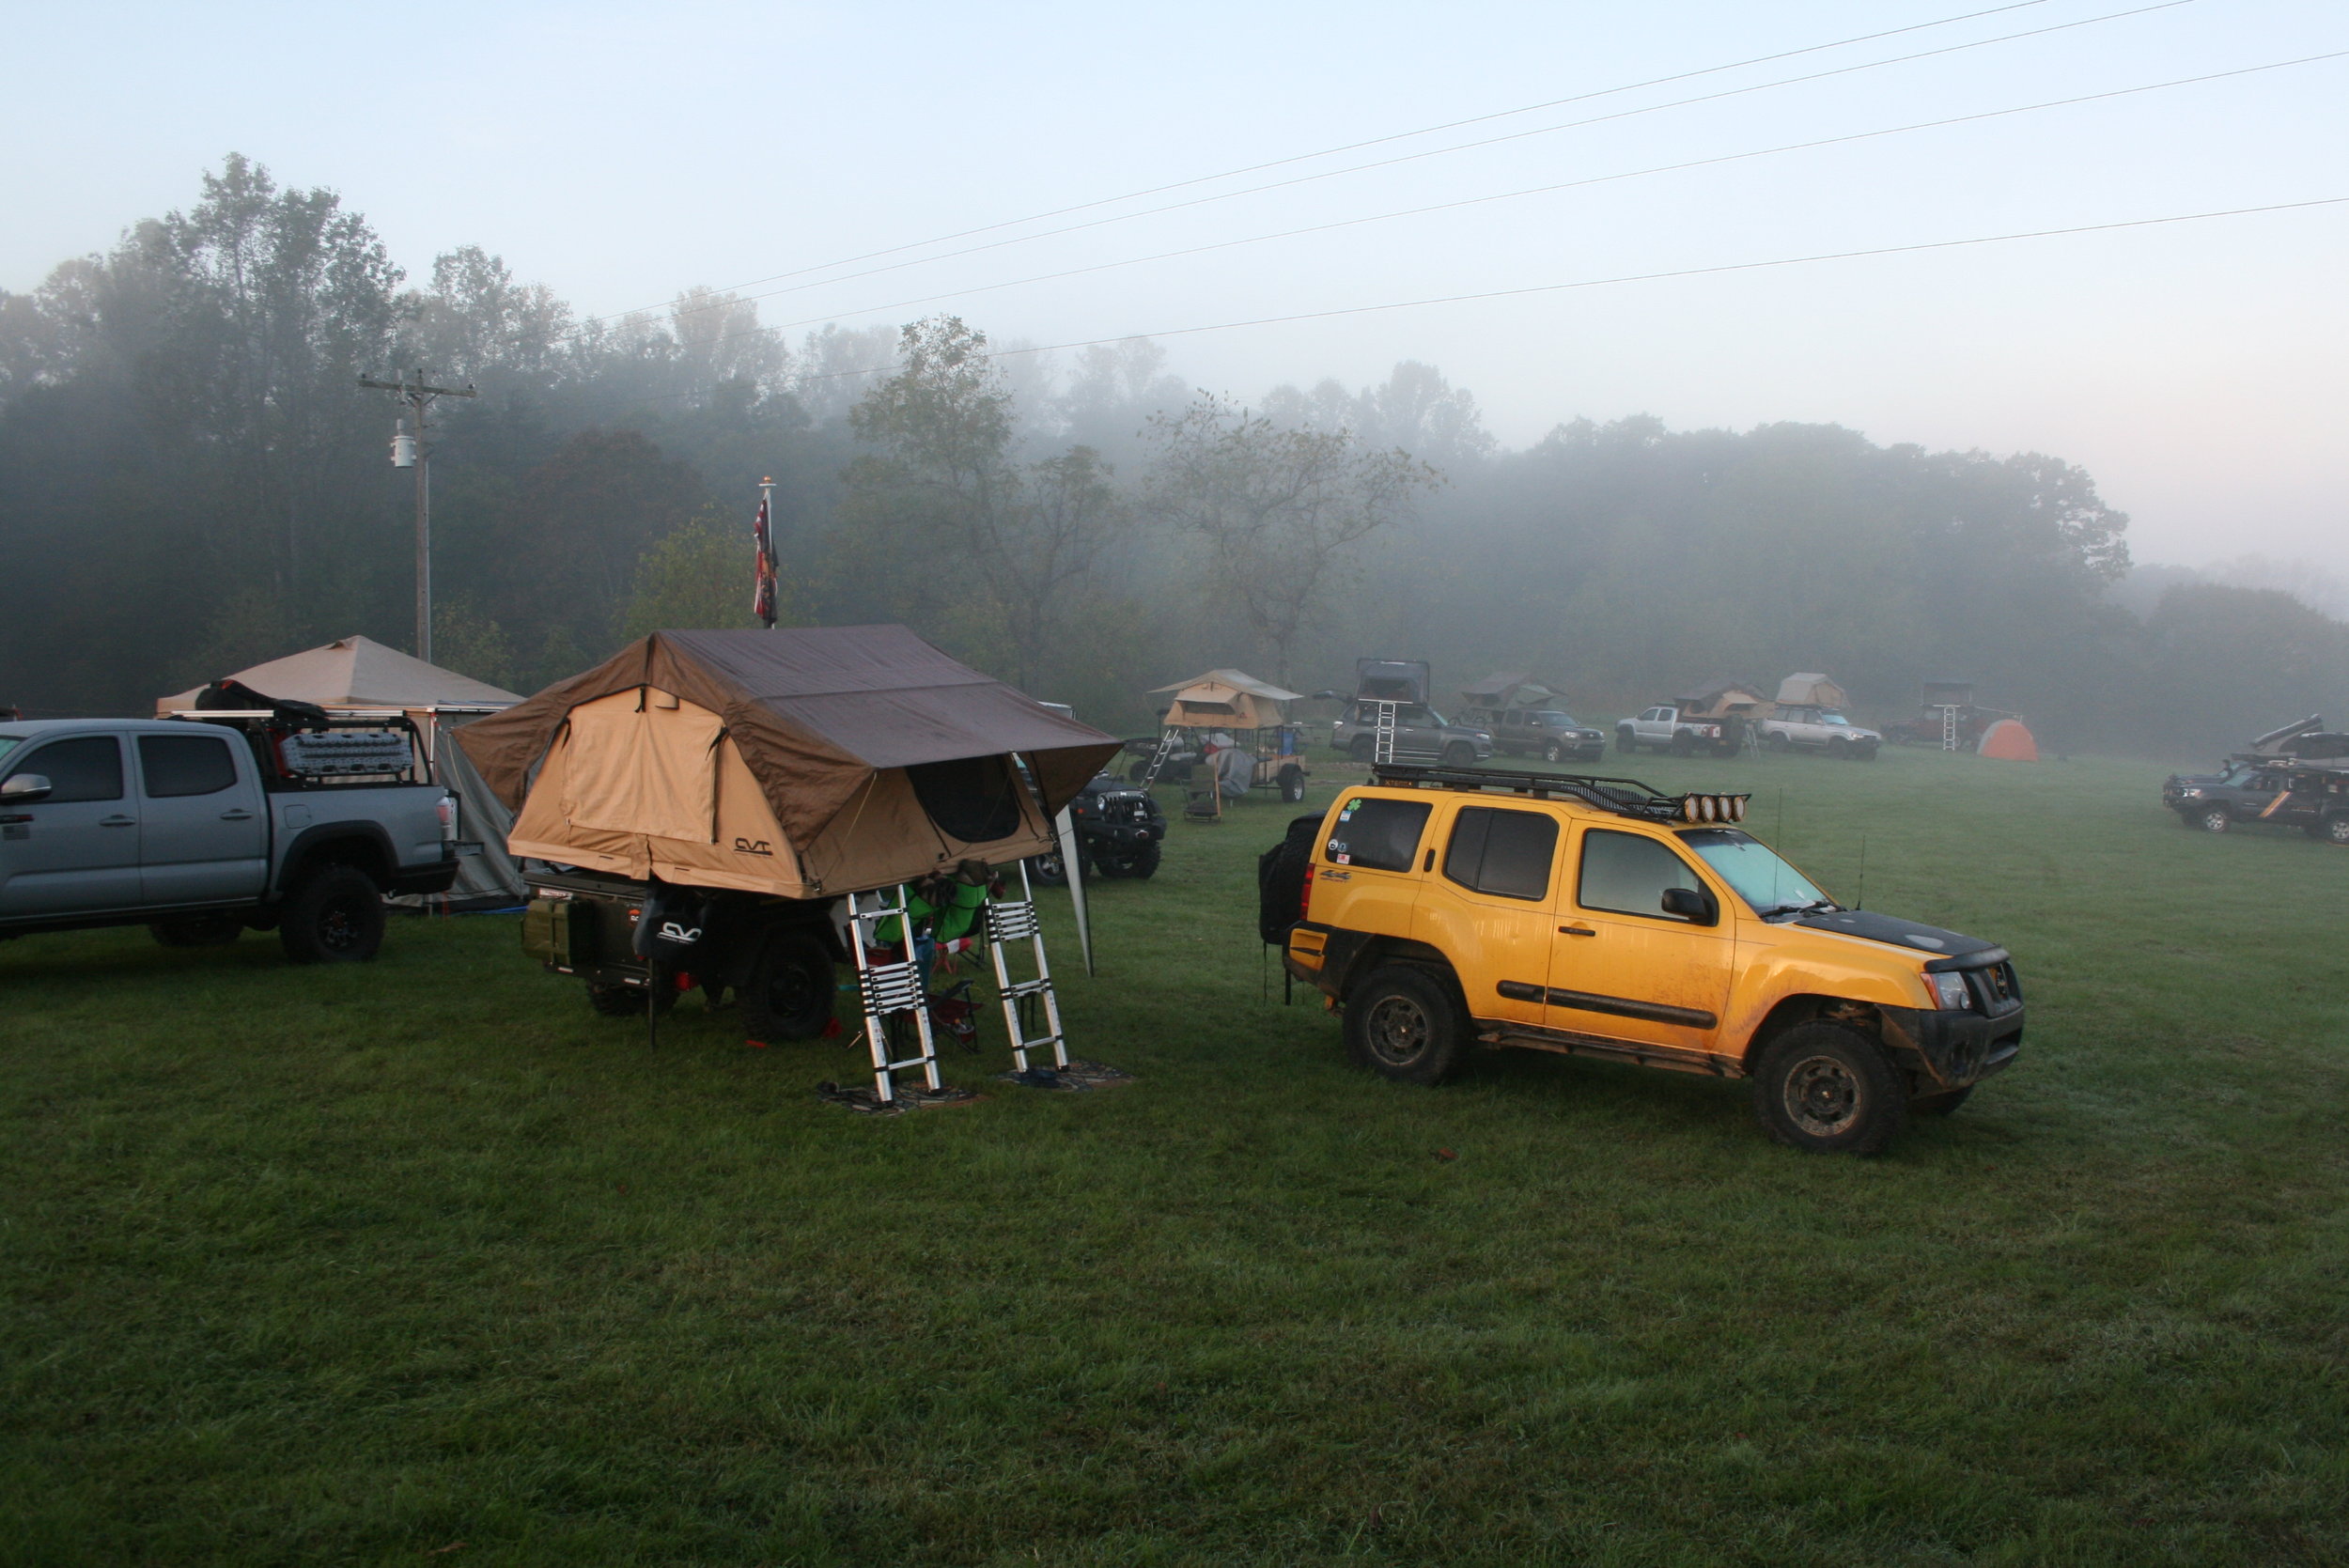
(446, 811)
(1305, 894)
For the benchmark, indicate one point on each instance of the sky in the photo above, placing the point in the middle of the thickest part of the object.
(2199, 369)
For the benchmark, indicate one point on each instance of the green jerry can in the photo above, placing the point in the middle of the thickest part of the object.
(559, 932)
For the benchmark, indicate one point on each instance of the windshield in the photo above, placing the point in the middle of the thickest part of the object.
(1754, 870)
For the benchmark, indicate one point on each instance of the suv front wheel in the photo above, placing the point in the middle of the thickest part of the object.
(2213, 819)
(1404, 1023)
(1822, 1087)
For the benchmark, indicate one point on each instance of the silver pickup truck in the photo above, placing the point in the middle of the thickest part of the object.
(203, 827)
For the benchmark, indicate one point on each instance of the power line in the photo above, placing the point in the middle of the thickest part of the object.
(1552, 189)
(1347, 147)
(1715, 271)
(1442, 151)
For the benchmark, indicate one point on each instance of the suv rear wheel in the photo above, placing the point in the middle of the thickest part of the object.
(335, 915)
(1822, 1087)
(1403, 1023)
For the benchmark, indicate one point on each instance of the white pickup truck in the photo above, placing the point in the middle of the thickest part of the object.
(204, 826)
(1661, 728)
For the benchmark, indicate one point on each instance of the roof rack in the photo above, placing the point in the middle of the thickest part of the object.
(1623, 797)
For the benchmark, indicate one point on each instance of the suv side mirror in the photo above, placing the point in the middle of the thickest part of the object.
(1690, 904)
(24, 789)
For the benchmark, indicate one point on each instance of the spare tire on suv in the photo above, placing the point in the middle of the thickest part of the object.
(1281, 873)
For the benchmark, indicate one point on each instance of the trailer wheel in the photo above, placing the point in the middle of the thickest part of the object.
(1292, 784)
(788, 995)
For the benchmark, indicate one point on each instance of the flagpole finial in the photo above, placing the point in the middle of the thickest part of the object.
(766, 481)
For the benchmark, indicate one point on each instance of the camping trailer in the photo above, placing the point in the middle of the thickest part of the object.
(708, 806)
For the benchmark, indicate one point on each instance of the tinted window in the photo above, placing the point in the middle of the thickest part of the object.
(185, 765)
(86, 768)
(1507, 852)
(1382, 834)
(1629, 874)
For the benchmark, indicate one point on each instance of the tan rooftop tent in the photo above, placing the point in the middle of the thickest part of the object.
(1225, 699)
(1508, 688)
(1812, 691)
(359, 672)
(803, 762)
(1725, 699)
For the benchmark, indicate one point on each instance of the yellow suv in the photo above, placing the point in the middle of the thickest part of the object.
(1444, 908)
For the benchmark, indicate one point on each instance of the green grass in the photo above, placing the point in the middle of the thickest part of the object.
(351, 1266)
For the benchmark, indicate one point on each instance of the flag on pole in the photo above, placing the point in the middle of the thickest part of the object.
(763, 589)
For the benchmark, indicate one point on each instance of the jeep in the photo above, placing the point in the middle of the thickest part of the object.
(1439, 909)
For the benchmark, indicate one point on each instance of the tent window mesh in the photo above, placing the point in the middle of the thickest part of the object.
(975, 799)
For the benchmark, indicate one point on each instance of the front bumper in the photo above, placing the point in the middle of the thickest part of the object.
(1950, 1049)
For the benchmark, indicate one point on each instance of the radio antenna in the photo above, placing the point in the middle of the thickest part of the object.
(1861, 899)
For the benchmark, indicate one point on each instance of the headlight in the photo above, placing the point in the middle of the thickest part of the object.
(2189, 792)
(1950, 990)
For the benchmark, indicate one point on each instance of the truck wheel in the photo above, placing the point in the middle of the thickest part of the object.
(615, 1001)
(1775, 742)
(2212, 819)
(1292, 784)
(1363, 747)
(1402, 1023)
(788, 995)
(1681, 746)
(1137, 862)
(199, 931)
(2333, 829)
(332, 916)
(1828, 1089)
(1460, 754)
(1625, 742)
(1049, 870)
(1553, 753)
(1941, 1104)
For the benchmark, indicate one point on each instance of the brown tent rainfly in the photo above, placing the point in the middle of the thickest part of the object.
(803, 763)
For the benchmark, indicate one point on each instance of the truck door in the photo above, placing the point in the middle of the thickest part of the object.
(1624, 968)
(203, 837)
(1491, 908)
(77, 850)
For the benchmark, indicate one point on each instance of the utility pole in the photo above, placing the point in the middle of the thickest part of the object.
(409, 450)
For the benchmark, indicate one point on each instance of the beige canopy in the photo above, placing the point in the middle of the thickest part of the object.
(1812, 689)
(1725, 699)
(1225, 700)
(803, 762)
(360, 672)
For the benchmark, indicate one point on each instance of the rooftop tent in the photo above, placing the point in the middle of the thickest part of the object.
(1225, 699)
(1812, 689)
(2010, 740)
(1949, 693)
(803, 762)
(1723, 699)
(1517, 688)
(359, 672)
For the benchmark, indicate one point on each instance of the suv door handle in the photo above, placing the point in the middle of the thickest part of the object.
(117, 821)
(239, 816)
(1575, 931)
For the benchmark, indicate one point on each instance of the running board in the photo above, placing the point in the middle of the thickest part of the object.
(1678, 1059)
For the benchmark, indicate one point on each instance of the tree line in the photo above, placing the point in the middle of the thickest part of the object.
(191, 481)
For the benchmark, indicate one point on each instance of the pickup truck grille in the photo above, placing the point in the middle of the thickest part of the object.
(1996, 988)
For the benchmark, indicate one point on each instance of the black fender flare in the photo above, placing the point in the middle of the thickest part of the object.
(331, 844)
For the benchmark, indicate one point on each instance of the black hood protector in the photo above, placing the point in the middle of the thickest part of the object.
(1926, 942)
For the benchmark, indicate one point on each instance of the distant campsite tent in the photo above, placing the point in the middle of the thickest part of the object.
(1725, 699)
(1510, 689)
(2009, 739)
(805, 762)
(359, 672)
(1809, 690)
(1225, 700)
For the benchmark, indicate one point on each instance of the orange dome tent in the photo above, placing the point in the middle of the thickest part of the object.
(2009, 739)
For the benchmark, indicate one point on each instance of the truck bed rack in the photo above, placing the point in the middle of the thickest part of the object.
(1623, 797)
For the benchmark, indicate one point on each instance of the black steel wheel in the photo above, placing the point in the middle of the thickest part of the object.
(788, 993)
(1406, 1024)
(335, 915)
(1825, 1088)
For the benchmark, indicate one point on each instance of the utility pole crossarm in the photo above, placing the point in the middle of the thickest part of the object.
(417, 388)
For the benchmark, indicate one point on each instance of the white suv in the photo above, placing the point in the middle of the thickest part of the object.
(1817, 729)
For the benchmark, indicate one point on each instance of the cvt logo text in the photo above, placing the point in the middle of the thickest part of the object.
(672, 932)
(753, 846)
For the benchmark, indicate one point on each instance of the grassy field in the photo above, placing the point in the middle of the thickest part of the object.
(424, 1263)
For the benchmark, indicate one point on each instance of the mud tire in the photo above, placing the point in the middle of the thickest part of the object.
(1826, 1089)
(1406, 1024)
(335, 915)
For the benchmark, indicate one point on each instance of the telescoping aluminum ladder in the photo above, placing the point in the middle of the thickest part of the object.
(1382, 734)
(891, 987)
(1948, 727)
(1167, 742)
(1009, 922)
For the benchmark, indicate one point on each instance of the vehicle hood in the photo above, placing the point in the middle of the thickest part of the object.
(2199, 781)
(1925, 941)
